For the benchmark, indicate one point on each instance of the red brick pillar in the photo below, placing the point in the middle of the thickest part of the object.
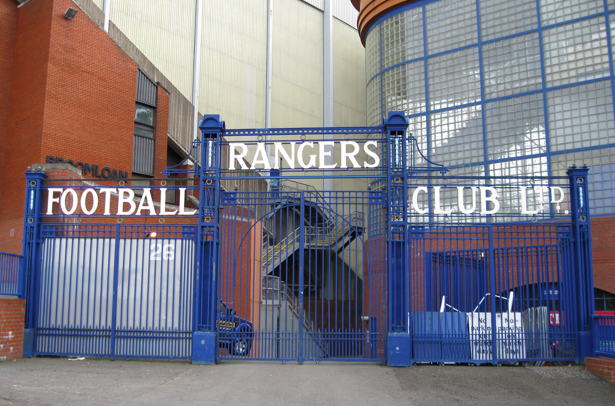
(12, 314)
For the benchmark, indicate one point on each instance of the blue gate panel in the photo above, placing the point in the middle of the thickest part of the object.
(75, 312)
(293, 273)
(455, 336)
(509, 285)
(150, 314)
(426, 336)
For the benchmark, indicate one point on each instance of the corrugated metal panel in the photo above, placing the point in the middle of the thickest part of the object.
(320, 4)
(143, 155)
(297, 99)
(342, 10)
(345, 11)
(164, 31)
(233, 60)
(180, 120)
(146, 89)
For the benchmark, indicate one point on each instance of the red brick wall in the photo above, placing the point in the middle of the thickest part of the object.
(72, 95)
(603, 250)
(26, 107)
(603, 367)
(90, 98)
(8, 23)
(12, 313)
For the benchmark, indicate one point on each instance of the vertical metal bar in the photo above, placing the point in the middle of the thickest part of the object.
(269, 67)
(328, 104)
(106, 11)
(196, 67)
(30, 252)
(492, 293)
(301, 273)
(114, 292)
(581, 226)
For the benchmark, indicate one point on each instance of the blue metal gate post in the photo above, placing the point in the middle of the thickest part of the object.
(584, 276)
(399, 345)
(30, 252)
(301, 274)
(204, 338)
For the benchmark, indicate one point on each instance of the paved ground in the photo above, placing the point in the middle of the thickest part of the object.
(58, 381)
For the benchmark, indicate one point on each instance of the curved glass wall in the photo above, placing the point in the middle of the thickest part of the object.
(501, 88)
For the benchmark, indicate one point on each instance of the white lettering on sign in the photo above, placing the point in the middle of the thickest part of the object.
(69, 201)
(318, 152)
(167, 251)
(509, 332)
(489, 199)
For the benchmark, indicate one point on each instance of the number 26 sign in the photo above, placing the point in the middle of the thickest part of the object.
(160, 251)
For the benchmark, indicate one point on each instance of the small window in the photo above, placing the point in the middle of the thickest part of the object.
(144, 120)
(604, 301)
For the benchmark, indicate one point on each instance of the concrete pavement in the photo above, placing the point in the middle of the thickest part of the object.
(58, 381)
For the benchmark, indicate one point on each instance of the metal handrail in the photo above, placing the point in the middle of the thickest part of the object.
(285, 242)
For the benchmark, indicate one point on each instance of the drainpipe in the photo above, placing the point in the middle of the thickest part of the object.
(269, 75)
(269, 63)
(196, 68)
(327, 80)
(106, 7)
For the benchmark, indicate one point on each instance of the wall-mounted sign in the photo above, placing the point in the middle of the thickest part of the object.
(488, 196)
(69, 202)
(317, 158)
(485, 199)
(94, 170)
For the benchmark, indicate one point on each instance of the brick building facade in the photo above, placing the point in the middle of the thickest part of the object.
(68, 93)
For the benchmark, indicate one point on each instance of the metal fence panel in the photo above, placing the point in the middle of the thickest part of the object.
(604, 336)
(293, 267)
(10, 269)
(512, 285)
(107, 292)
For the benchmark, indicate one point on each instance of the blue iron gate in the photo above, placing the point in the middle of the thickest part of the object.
(292, 266)
(308, 245)
(107, 285)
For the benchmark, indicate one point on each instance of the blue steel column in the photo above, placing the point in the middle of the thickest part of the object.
(301, 274)
(582, 251)
(204, 338)
(399, 345)
(28, 279)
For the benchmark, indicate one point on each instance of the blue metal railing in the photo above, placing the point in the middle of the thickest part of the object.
(604, 336)
(10, 267)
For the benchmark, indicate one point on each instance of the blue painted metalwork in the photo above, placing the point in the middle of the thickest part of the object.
(11, 278)
(604, 336)
(30, 252)
(107, 285)
(579, 190)
(296, 274)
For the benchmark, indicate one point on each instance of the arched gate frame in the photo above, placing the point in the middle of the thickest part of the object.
(411, 264)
